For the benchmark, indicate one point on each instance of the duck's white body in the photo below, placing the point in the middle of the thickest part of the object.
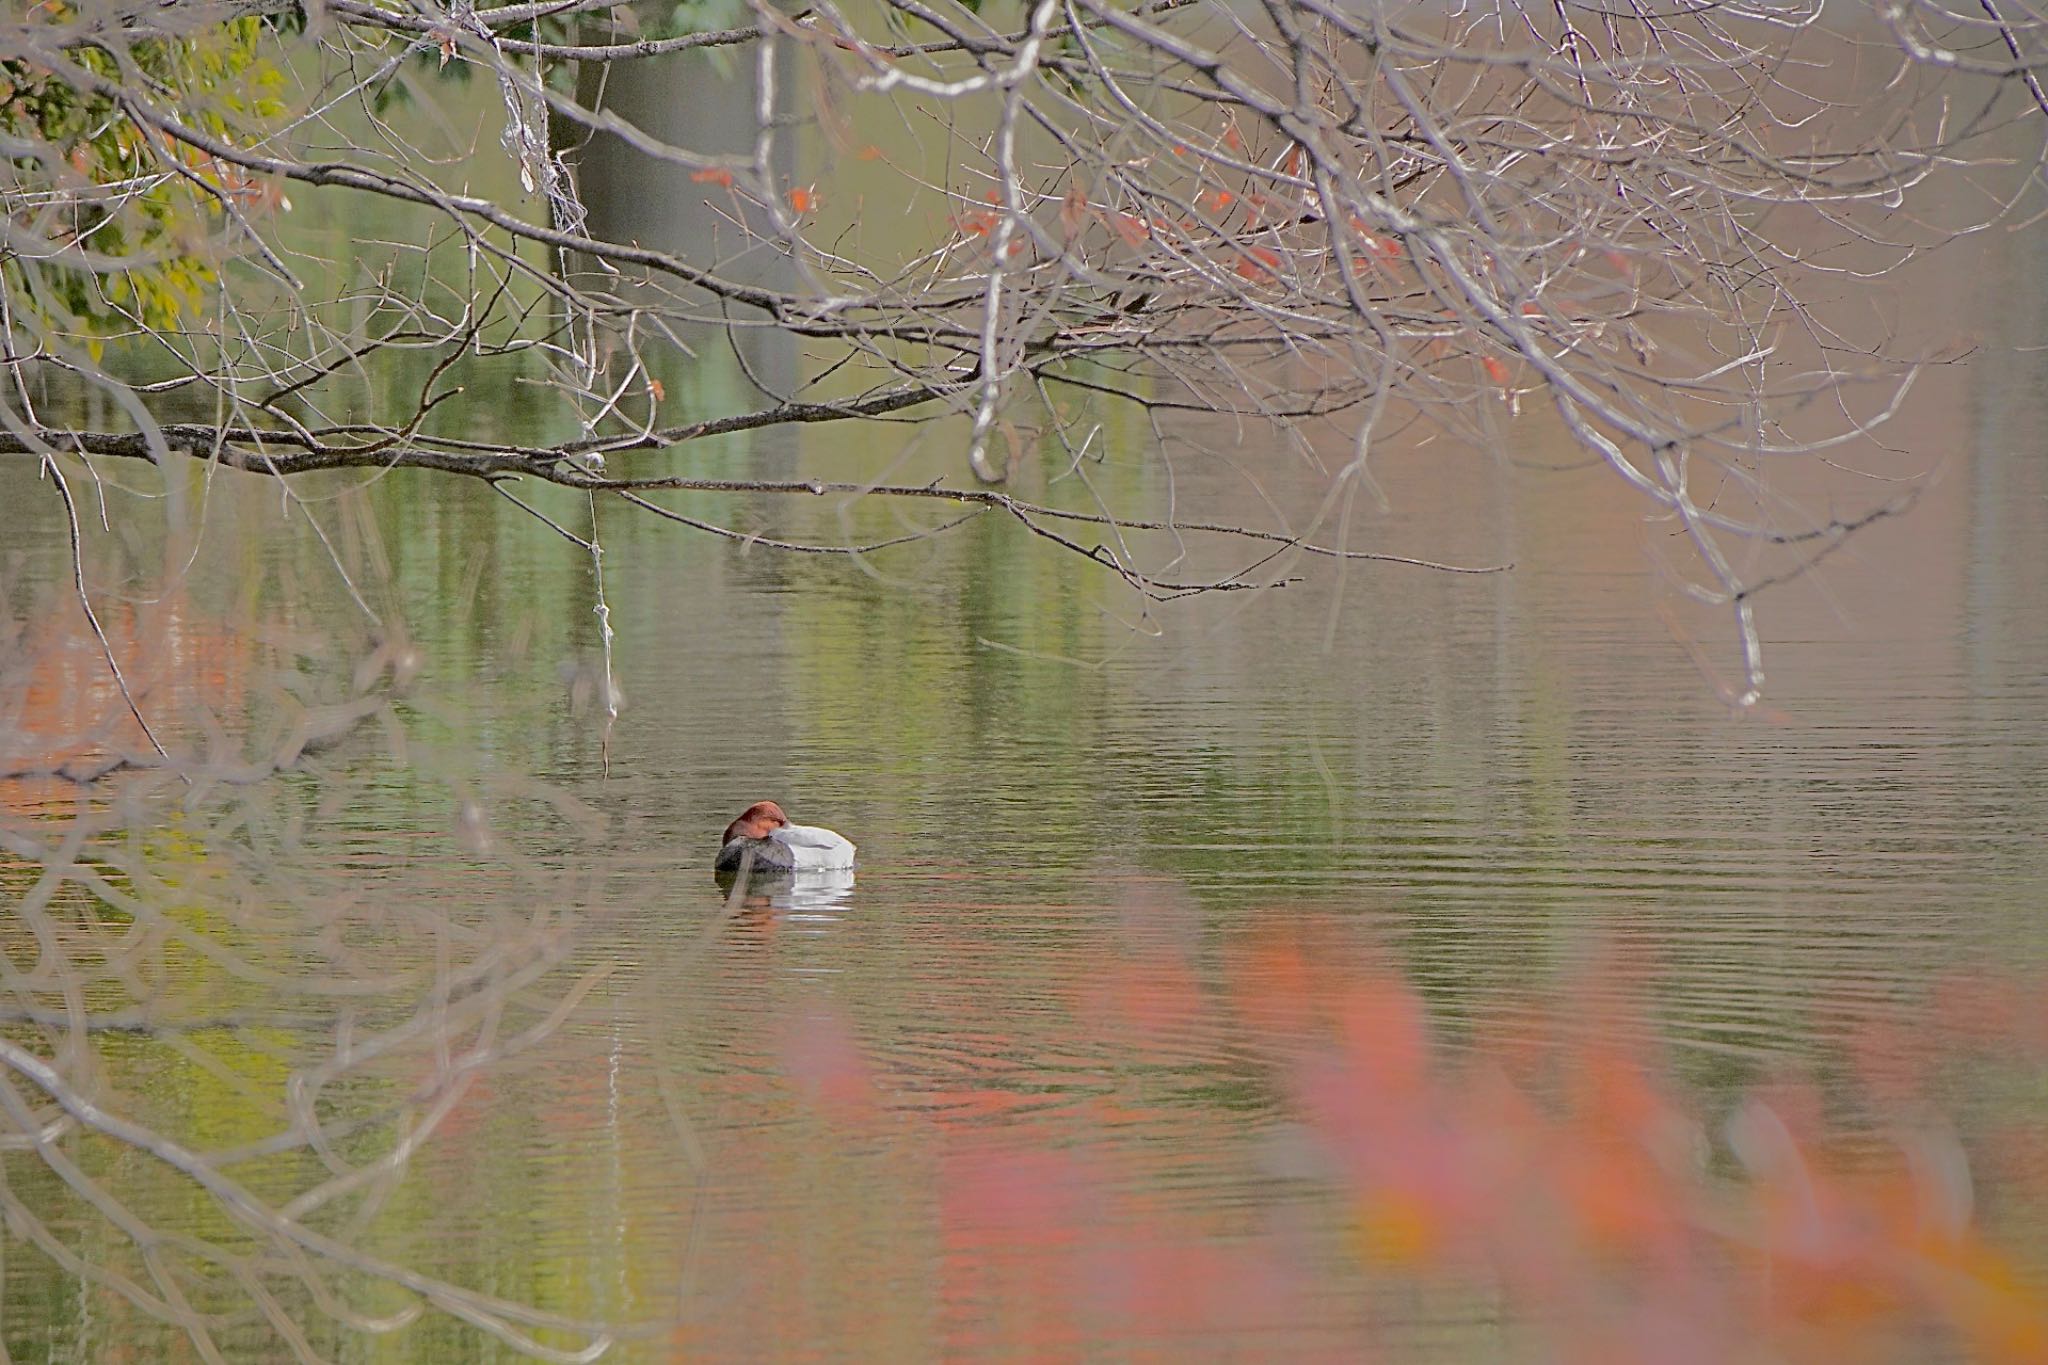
(814, 847)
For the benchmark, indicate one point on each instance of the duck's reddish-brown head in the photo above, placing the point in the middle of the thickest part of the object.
(757, 821)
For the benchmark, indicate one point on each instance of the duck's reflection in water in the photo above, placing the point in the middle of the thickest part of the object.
(806, 896)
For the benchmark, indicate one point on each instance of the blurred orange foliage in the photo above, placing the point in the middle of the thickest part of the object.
(1548, 1173)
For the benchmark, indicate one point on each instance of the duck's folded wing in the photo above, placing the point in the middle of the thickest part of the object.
(815, 846)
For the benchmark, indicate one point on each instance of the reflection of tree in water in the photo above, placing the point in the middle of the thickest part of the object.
(234, 1011)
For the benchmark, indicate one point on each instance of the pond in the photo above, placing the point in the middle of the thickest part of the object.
(1395, 964)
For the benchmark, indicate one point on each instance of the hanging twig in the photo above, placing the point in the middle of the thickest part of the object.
(85, 604)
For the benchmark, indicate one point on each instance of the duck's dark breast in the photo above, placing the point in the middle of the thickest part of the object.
(769, 856)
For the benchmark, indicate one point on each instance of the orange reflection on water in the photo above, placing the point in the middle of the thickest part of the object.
(66, 707)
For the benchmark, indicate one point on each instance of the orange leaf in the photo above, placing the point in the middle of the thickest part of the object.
(1132, 228)
(803, 199)
(1073, 212)
(715, 176)
(870, 153)
(1258, 264)
(654, 387)
(1378, 246)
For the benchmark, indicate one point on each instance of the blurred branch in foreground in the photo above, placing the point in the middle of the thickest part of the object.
(221, 1046)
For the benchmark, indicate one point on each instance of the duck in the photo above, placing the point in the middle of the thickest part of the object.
(778, 846)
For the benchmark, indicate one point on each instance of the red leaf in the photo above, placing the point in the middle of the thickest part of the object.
(1073, 213)
(1258, 264)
